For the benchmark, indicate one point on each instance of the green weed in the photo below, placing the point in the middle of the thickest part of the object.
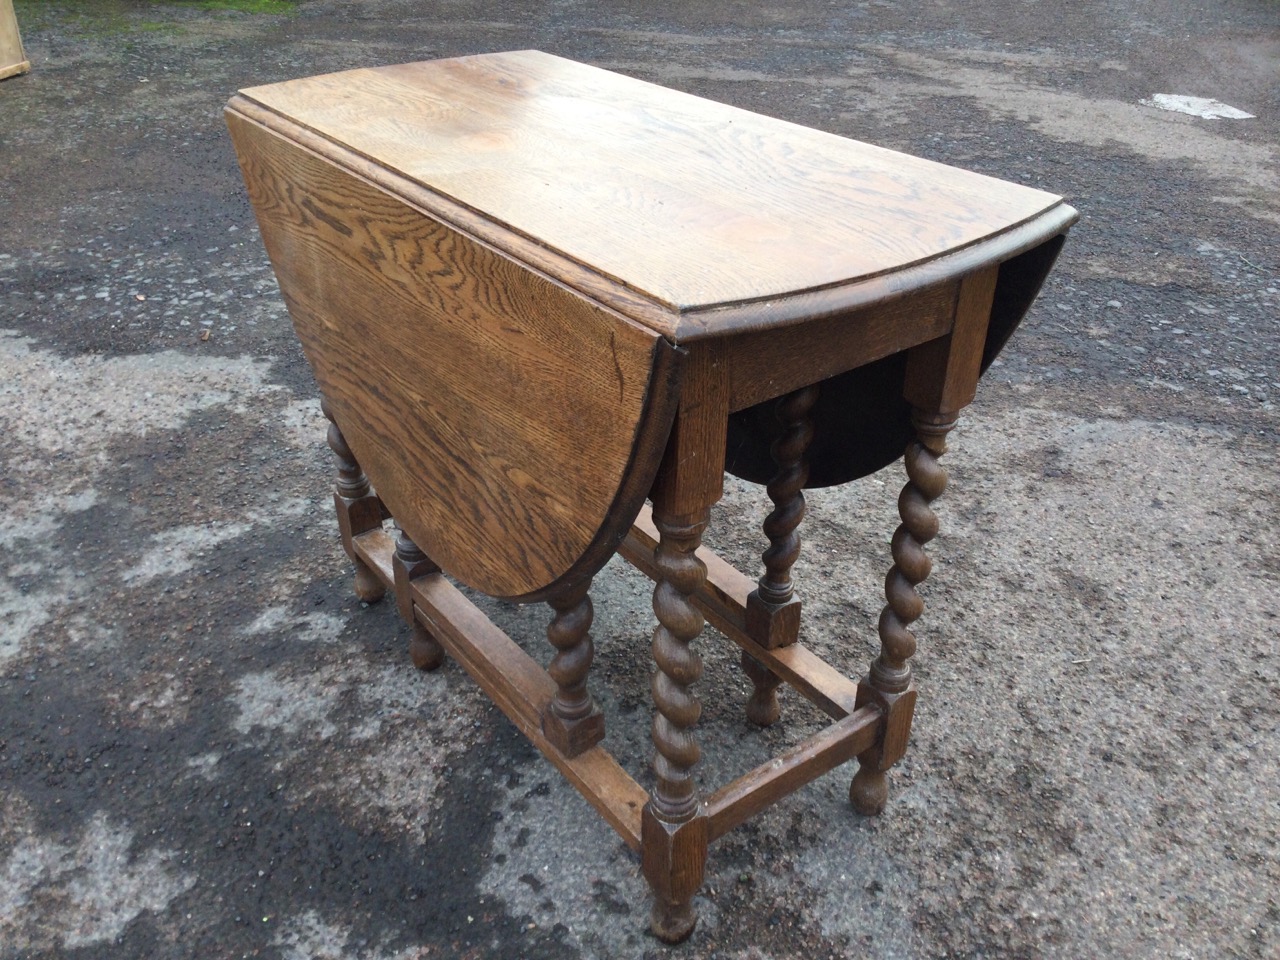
(106, 18)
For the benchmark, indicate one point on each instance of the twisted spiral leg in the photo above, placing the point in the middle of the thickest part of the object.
(681, 573)
(568, 633)
(572, 720)
(911, 565)
(673, 829)
(358, 508)
(889, 681)
(773, 611)
(410, 562)
(786, 490)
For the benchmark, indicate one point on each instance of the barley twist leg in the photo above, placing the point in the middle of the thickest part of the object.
(679, 667)
(572, 721)
(773, 611)
(889, 684)
(786, 490)
(673, 832)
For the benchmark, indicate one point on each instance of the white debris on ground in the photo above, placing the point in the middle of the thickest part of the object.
(1197, 107)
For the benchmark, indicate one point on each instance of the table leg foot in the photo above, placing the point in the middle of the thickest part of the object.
(369, 587)
(424, 649)
(673, 923)
(869, 791)
(762, 707)
(673, 858)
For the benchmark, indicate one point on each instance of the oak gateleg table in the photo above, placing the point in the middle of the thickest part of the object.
(536, 295)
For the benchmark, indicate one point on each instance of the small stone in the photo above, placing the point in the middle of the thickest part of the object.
(1114, 303)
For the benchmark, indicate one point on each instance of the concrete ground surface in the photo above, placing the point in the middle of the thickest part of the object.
(209, 748)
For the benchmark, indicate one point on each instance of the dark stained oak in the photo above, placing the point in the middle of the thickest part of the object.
(535, 294)
(735, 802)
(941, 378)
(722, 598)
(768, 363)
(680, 574)
(786, 490)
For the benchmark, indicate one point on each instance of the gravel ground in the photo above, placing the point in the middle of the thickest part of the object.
(209, 748)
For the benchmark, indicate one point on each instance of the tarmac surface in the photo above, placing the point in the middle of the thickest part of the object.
(209, 748)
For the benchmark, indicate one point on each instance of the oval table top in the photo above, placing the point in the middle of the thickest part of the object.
(670, 208)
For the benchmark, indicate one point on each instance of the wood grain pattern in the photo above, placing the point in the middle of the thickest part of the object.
(943, 374)
(594, 167)
(533, 292)
(691, 477)
(673, 859)
(825, 750)
(511, 426)
(376, 549)
(767, 363)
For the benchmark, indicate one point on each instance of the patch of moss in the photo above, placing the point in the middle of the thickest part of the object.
(101, 18)
(77, 17)
(245, 6)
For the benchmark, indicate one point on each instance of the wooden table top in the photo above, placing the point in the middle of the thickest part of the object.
(510, 272)
(665, 206)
